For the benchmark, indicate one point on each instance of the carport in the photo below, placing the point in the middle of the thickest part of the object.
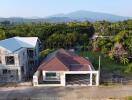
(77, 79)
(67, 68)
(81, 78)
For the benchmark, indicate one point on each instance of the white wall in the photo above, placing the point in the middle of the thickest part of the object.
(62, 77)
(63, 74)
(19, 60)
(36, 78)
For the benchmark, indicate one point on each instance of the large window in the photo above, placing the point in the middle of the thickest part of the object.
(50, 74)
(10, 60)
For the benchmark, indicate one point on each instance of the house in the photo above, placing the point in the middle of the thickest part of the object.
(18, 58)
(65, 68)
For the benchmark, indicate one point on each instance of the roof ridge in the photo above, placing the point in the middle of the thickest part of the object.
(47, 62)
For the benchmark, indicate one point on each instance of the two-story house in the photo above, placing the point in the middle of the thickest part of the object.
(18, 58)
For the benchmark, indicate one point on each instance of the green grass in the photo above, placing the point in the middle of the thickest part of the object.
(107, 64)
(128, 98)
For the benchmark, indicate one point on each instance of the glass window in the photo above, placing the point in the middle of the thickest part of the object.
(50, 74)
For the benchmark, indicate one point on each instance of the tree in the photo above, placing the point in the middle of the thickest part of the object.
(2, 34)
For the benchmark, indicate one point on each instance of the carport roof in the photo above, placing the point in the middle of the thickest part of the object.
(63, 60)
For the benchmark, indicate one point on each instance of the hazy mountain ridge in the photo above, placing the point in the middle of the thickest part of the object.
(73, 16)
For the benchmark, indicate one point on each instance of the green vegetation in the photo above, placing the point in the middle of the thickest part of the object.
(128, 69)
(107, 64)
(113, 39)
(128, 98)
(51, 35)
(44, 53)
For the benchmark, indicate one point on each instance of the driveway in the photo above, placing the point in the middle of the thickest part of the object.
(65, 93)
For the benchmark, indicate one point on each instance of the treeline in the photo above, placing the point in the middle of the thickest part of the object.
(64, 33)
(112, 39)
(74, 34)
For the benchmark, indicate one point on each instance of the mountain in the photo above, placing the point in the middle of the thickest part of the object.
(81, 15)
(36, 20)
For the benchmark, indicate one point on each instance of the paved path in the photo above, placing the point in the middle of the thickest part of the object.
(65, 93)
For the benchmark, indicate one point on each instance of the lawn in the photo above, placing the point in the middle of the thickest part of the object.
(106, 63)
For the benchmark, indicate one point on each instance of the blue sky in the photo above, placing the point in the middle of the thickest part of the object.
(43, 8)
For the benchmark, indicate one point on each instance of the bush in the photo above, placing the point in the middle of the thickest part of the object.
(44, 53)
(124, 60)
(128, 70)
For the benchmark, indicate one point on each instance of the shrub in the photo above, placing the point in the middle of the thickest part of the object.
(44, 53)
(124, 60)
(128, 69)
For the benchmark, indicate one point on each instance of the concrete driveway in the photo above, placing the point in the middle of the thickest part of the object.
(65, 93)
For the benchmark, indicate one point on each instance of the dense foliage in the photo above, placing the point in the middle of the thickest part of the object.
(78, 34)
(51, 34)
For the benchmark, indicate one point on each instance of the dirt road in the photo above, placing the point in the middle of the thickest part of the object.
(65, 93)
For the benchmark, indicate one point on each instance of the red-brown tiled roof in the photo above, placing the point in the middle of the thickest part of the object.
(63, 60)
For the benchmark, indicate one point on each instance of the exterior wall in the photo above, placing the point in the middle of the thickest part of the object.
(61, 74)
(37, 52)
(63, 77)
(20, 59)
(35, 59)
(20, 65)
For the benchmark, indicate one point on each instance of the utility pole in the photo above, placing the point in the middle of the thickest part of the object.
(99, 63)
(99, 67)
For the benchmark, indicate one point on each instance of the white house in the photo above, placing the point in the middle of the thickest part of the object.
(64, 68)
(18, 58)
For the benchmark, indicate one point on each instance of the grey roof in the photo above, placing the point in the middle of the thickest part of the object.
(15, 43)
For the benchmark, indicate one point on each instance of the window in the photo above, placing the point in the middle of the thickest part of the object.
(22, 69)
(10, 60)
(30, 53)
(50, 74)
(4, 71)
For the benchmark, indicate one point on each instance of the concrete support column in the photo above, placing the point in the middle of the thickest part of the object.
(19, 75)
(36, 78)
(63, 80)
(97, 78)
(91, 79)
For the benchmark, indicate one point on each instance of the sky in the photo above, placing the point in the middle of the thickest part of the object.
(44, 8)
